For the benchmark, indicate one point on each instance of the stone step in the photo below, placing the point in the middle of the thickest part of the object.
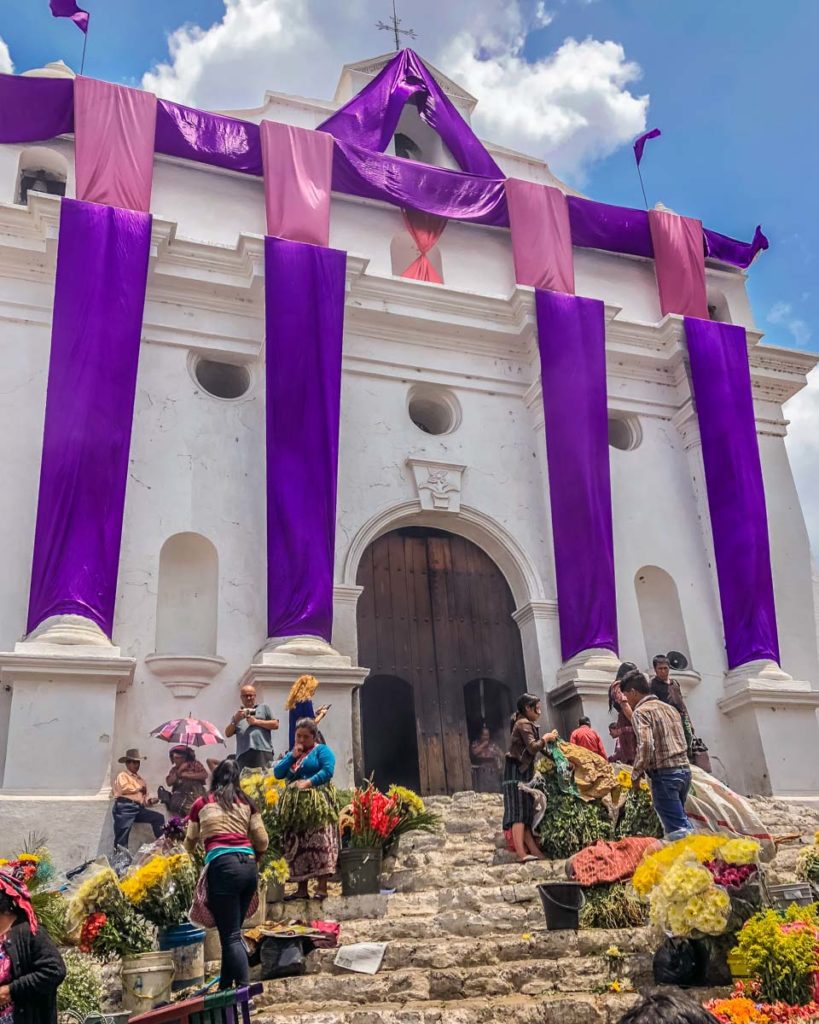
(529, 977)
(575, 1008)
(457, 922)
(445, 951)
(436, 875)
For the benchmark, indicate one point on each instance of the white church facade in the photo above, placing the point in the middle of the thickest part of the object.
(444, 595)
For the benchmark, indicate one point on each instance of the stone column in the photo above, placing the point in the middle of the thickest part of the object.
(583, 689)
(57, 769)
(538, 625)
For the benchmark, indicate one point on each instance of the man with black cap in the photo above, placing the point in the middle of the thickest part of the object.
(131, 801)
(669, 692)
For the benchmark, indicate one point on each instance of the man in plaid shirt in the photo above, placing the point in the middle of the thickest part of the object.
(662, 753)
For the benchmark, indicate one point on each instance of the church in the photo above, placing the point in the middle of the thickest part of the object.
(335, 387)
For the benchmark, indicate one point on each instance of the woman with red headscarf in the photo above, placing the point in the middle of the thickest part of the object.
(31, 968)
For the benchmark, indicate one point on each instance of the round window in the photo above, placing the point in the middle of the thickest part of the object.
(624, 433)
(222, 380)
(434, 410)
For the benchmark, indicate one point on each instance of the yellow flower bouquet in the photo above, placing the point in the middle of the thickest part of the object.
(687, 884)
(162, 889)
(265, 791)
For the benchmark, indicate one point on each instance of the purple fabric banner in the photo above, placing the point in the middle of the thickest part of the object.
(102, 270)
(729, 250)
(304, 318)
(721, 380)
(640, 143)
(572, 341)
(208, 138)
(69, 9)
(406, 183)
(37, 109)
(370, 118)
(613, 228)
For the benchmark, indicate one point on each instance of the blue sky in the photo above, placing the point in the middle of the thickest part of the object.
(732, 86)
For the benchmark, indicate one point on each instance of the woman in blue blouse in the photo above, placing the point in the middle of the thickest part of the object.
(311, 839)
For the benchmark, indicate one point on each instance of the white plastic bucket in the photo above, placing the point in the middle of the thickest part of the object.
(147, 980)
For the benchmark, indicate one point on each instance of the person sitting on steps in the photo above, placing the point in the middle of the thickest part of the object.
(518, 807)
(131, 801)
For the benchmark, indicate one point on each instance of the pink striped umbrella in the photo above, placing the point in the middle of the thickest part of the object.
(192, 732)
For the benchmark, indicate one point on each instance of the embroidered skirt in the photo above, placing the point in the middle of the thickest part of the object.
(518, 808)
(311, 853)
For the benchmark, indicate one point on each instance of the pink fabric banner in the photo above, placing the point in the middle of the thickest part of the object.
(425, 229)
(679, 263)
(298, 173)
(114, 130)
(541, 236)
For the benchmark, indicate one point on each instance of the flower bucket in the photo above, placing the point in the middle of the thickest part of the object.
(147, 980)
(186, 944)
(254, 920)
(738, 966)
(213, 947)
(360, 869)
(275, 892)
(562, 903)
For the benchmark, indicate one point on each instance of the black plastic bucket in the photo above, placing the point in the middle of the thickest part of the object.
(562, 903)
(360, 869)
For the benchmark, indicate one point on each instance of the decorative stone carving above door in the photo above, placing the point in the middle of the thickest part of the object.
(438, 484)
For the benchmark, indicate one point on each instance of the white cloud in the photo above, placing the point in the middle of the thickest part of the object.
(803, 449)
(6, 66)
(781, 313)
(573, 107)
(570, 108)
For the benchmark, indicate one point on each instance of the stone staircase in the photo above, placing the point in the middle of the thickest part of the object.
(467, 942)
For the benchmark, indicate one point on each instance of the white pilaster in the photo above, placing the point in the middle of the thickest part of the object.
(277, 666)
(61, 694)
(583, 689)
(538, 625)
(773, 722)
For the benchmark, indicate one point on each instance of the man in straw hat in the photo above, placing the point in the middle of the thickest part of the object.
(131, 801)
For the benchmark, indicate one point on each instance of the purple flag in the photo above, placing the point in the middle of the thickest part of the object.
(69, 9)
(640, 144)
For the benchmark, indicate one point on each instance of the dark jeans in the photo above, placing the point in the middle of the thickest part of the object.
(232, 880)
(669, 790)
(254, 759)
(128, 813)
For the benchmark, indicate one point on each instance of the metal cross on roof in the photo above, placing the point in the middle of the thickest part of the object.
(394, 26)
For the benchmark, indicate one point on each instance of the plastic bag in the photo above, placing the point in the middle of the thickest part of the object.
(713, 807)
(282, 958)
(676, 963)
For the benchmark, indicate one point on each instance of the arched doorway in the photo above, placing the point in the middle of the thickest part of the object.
(437, 612)
(390, 740)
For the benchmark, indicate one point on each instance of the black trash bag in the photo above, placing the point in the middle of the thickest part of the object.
(282, 958)
(712, 956)
(677, 962)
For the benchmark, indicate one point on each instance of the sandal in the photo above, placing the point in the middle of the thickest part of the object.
(319, 897)
(293, 897)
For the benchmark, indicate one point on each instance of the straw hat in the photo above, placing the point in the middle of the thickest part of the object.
(131, 754)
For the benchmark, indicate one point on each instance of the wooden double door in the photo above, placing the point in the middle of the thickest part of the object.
(435, 628)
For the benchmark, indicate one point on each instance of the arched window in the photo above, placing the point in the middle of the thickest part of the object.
(407, 148)
(718, 306)
(660, 613)
(187, 596)
(41, 170)
(404, 252)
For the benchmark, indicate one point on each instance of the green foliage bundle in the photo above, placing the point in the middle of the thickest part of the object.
(570, 824)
